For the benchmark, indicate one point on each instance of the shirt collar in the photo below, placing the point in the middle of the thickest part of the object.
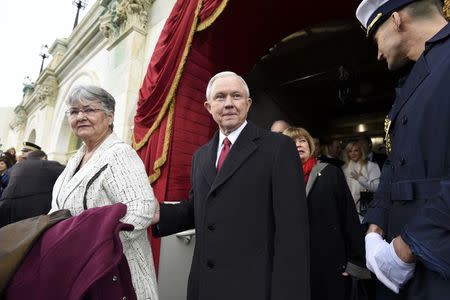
(442, 34)
(232, 137)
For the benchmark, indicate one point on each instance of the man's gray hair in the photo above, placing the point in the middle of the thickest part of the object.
(92, 93)
(222, 75)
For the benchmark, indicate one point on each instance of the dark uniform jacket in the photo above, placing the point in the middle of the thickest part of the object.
(413, 197)
(250, 219)
(29, 192)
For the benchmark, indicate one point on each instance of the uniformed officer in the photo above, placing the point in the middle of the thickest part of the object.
(408, 238)
(28, 147)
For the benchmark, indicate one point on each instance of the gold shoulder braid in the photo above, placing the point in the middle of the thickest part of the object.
(387, 137)
(447, 9)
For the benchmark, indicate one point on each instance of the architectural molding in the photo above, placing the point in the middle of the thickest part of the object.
(44, 92)
(20, 119)
(57, 50)
(123, 17)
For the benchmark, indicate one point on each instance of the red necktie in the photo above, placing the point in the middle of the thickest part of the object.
(223, 153)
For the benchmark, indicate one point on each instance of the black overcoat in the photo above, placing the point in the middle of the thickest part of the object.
(413, 198)
(29, 191)
(250, 218)
(336, 235)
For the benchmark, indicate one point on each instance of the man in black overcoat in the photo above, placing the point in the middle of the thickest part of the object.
(249, 210)
(29, 191)
(366, 144)
(408, 239)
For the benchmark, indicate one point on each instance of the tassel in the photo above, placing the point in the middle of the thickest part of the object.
(447, 9)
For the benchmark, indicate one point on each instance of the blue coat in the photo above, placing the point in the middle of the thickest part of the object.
(413, 199)
(4, 179)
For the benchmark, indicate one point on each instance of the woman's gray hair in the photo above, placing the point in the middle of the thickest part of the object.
(222, 75)
(92, 93)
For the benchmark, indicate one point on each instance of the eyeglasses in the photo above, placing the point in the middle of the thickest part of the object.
(89, 111)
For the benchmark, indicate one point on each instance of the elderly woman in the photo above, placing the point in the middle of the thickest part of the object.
(336, 240)
(361, 175)
(106, 171)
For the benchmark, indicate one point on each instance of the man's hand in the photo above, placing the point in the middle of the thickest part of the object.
(403, 251)
(375, 228)
(155, 218)
(382, 260)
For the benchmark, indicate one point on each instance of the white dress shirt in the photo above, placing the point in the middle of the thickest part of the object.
(232, 137)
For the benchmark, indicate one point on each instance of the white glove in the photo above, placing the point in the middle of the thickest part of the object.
(375, 244)
(382, 260)
(393, 267)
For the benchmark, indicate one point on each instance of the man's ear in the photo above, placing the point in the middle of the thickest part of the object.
(207, 106)
(396, 20)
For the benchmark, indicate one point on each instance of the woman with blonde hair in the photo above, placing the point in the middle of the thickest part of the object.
(333, 221)
(361, 175)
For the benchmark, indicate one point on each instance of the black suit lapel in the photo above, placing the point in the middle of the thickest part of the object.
(417, 75)
(209, 163)
(240, 151)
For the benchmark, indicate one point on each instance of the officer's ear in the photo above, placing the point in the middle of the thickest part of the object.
(396, 20)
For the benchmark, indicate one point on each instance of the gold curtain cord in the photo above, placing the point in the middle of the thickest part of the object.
(217, 12)
(169, 103)
(162, 160)
(171, 95)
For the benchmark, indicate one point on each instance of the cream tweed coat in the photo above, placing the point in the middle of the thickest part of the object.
(115, 174)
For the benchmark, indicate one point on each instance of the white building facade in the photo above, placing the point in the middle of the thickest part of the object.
(111, 48)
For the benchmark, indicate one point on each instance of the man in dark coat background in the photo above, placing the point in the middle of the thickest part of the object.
(366, 144)
(408, 239)
(249, 210)
(29, 192)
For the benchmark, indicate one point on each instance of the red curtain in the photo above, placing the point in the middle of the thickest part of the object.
(201, 38)
(153, 122)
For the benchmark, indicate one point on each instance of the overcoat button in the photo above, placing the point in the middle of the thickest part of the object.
(115, 278)
(404, 120)
(210, 265)
(211, 227)
(402, 161)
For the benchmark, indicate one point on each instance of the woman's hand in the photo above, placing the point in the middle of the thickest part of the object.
(155, 218)
(355, 174)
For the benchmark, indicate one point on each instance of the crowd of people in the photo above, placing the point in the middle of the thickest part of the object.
(277, 215)
(360, 165)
